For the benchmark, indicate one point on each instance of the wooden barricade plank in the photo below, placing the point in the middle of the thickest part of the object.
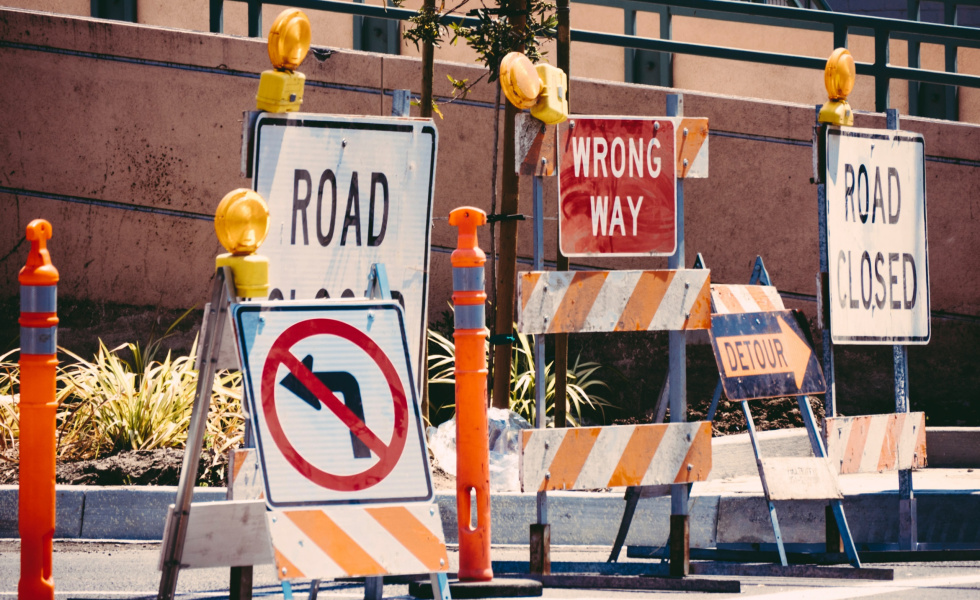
(873, 443)
(615, 456)
(795, 478)
(225, 534)
(593, 301)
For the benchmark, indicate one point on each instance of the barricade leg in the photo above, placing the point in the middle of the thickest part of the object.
(540, 541)
(240, 587)
(374, 588)
(836, 506)
(758, 461)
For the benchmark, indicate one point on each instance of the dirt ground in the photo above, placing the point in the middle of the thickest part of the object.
(136, 467)
(148, 467)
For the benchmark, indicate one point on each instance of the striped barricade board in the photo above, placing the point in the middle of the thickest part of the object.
(358, 541)
(598, 301)
(345, 540)
(872, 443)
(615, 456)
(729, 299)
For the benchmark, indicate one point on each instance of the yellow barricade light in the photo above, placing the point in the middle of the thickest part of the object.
(838, 78)
(281, 89)
(519, 80)
(241, 223)
(543, 89)
(552, 104)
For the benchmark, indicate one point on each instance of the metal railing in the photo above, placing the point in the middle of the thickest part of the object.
(883, 30)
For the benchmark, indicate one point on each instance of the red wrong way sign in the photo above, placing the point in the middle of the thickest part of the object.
(332, 403)
(617, 192)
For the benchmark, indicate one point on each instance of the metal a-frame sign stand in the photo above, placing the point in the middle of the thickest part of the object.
(837, 523)
(248, 535)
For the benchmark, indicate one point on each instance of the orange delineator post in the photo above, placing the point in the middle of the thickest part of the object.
(38, 366)
(472, 440)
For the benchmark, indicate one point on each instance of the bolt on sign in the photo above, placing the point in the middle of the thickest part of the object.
(876, 236)
(617, 182)
(332, 403)
(765, 355)
(343, 193)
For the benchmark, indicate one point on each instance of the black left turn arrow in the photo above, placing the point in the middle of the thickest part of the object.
(338, 382)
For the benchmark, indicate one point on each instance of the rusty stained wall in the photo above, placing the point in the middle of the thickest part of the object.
(131, 135)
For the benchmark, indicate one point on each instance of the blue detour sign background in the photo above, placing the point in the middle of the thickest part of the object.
(765, 355)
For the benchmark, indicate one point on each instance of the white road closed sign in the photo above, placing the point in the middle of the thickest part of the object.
(332, 402)
(876, 237)
(343, 193)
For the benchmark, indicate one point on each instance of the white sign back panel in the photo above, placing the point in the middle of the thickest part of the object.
(876, 237)
(332, 402)
(343, 193)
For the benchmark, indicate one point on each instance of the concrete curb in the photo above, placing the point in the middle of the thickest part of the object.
(728, 509)
(945, 516)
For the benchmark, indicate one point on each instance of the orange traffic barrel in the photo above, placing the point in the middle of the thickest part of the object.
(38, 370)
(472, 440)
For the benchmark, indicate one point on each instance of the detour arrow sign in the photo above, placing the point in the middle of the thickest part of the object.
(765, 355)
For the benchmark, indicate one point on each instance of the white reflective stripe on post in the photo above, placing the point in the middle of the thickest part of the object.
(38, 298)
(469, 316)
(468, 279)
(38, 340)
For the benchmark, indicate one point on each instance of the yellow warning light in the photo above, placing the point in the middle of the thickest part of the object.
(241, 223)
(543, 89)
(289, 39)
(838, 78)
(519, 80)
(281, 89)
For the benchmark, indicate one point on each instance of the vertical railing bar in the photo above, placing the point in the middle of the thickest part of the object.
(629, 54)
(914, 14)
(952, 92)
(254, 18)
(217, 16)
(882, 80)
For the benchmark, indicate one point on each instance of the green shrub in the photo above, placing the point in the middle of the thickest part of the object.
(582, 380)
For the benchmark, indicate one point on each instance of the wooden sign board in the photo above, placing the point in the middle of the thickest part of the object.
(793, 478)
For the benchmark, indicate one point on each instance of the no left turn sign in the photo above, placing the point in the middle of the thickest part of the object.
(332, 403)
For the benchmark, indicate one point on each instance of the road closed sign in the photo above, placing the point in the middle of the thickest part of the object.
(332, 403)
(876, 237)
(343, 193)
(617, 182)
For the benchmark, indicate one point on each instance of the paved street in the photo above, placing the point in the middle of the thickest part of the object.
(124, 571)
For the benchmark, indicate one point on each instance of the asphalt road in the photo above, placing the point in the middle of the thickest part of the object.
(125, 571)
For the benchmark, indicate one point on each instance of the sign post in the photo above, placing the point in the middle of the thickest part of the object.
(621, 193)
(874, 264)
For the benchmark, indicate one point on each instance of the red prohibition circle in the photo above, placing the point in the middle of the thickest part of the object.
(281, 354)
